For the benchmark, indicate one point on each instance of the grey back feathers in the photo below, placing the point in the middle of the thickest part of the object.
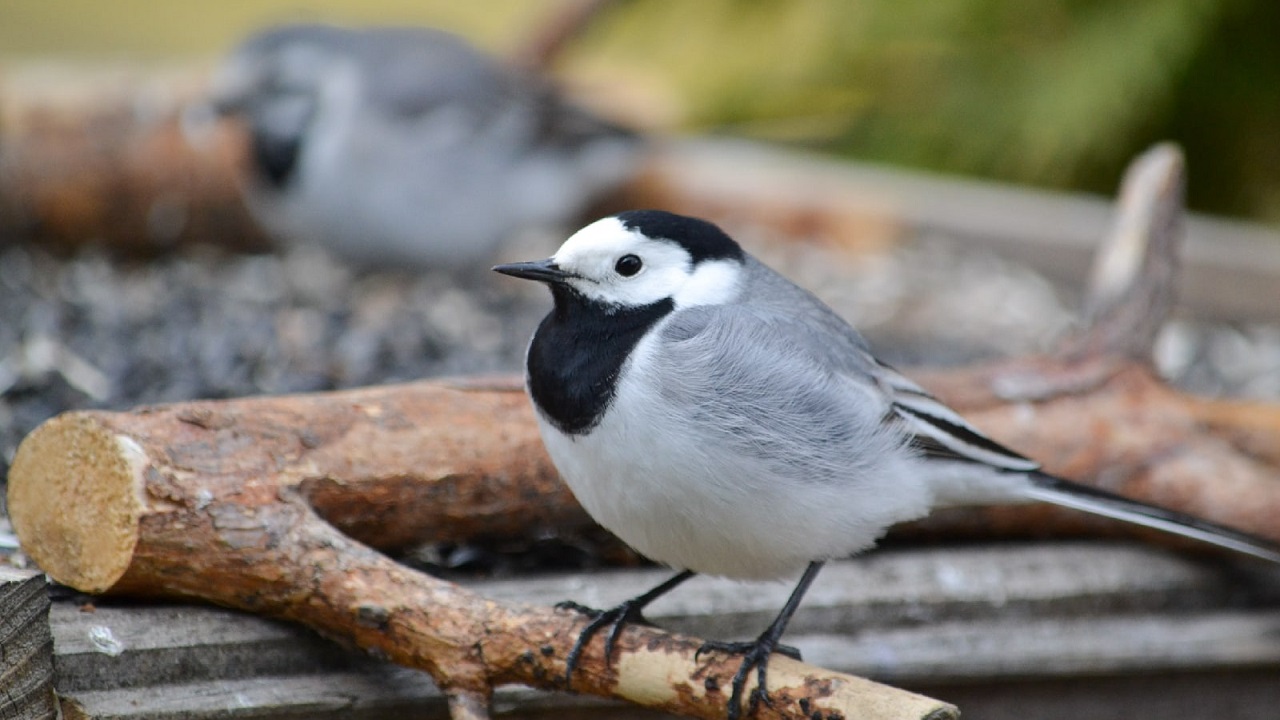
(817, 426)
(825, 336)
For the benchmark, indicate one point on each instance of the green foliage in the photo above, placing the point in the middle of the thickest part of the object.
(1059, 93)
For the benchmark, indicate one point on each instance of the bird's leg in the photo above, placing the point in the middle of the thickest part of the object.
(629, 611)
(756, 654)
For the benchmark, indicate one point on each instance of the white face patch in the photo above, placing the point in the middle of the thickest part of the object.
(667, 270)
(712, 283)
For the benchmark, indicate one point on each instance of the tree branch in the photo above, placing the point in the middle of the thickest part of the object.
(1131, 288)
(211, 501)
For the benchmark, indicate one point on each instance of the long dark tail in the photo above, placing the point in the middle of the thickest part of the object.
(1055, 490)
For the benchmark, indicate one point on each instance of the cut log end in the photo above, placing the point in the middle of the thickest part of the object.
(75, 497)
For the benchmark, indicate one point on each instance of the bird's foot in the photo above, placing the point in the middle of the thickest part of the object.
(756, 655)
(745, 646)
(579, 608)
(628, 612)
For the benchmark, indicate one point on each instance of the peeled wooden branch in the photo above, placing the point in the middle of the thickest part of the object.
(1132, 285)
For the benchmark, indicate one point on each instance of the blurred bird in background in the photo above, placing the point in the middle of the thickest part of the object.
(408, 146)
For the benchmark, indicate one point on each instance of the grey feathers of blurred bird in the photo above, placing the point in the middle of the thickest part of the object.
(407, 146)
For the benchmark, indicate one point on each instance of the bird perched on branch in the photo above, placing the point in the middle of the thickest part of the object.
(722, 420)
(409, 146)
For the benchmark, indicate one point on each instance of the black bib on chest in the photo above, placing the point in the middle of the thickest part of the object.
(577, 354)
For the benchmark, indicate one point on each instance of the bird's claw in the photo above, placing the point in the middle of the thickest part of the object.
(616, 617)
(756, 655)
(743, 647)
(579, 608)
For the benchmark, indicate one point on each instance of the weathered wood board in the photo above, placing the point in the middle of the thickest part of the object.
(26, 647)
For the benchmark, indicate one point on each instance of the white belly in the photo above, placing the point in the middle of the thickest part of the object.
(662, 490)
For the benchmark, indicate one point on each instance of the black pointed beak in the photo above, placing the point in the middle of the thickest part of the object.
(541, 270)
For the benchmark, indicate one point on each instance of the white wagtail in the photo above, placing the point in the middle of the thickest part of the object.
(409, 146)
(722, 420)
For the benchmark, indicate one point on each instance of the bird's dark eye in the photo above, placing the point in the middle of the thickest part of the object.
(628, 265)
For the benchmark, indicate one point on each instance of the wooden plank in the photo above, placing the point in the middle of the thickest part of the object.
(1055, 647)
(26, 647)
(908, 586)
(122, 647)
(387, 692)
(354, 695)
(1032, 655)
(1031, 614)
(1232, 695)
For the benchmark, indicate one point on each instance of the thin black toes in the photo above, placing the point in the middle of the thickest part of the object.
(755, 656)
(617, 618)
(733, 648)
(578, 608)
(598, 620)
(743, 647)
(630, 616)
(788, 650)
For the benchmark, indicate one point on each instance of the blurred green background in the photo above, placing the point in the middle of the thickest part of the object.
(1054, 93)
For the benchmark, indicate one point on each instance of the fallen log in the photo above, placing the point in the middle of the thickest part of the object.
(106, 156)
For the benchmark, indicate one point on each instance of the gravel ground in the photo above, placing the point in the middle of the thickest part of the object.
(91, 331)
